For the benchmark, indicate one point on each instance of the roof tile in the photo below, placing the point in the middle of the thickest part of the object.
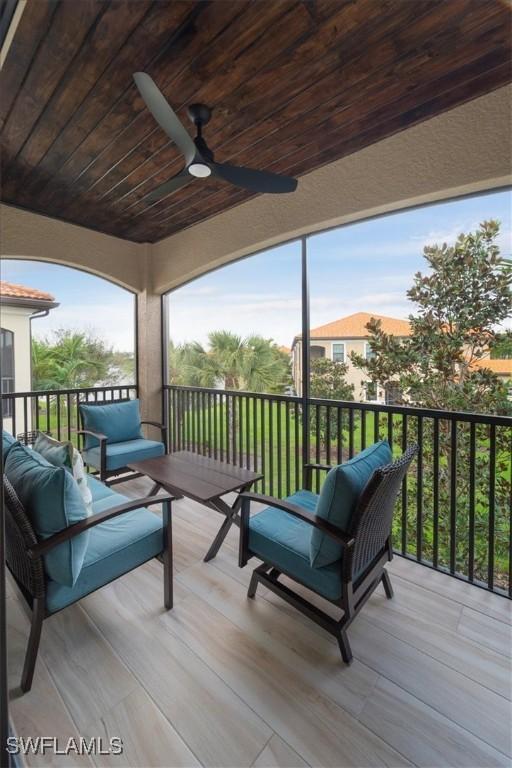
(23, 292)
(354, 326)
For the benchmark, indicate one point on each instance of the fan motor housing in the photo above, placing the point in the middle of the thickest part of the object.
(199, 114)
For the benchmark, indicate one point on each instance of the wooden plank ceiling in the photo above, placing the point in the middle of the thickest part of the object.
(294, 85)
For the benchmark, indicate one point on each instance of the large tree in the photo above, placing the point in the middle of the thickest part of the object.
(460, 301)
(72, 359)
(252, 364)
(328, 382)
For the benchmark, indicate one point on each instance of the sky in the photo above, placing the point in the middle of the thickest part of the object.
(363, 267)
(86, 302)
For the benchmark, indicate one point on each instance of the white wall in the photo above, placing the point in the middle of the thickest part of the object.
(17, 320)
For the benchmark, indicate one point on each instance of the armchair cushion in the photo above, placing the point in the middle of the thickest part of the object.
(282, 540)
(115, 547)
(121, 454)
(339, 496)
(52, 500)
(7, 442)
(118, 421)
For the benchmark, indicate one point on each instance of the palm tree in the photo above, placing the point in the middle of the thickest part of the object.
(71, 360)
(230, 362)
(253, 364)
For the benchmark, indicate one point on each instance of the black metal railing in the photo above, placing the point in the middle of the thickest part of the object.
(454, 512)
(56, 411)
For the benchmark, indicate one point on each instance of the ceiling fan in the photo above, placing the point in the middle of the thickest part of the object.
(199, 160)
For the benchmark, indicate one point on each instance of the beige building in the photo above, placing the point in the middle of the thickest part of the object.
(19, 305)
(337, 340)
(502, 367)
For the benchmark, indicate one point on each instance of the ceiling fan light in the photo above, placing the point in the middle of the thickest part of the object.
(199, 170)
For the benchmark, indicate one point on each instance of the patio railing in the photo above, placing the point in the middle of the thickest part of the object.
(55, 411)
(454, 511)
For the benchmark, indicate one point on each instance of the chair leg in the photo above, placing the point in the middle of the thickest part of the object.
(253, 586)
(345, 649)
(32, 645)
(386, 583)
(167, 555)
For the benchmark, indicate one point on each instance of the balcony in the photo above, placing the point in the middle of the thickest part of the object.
(370, 110)
(227, 681)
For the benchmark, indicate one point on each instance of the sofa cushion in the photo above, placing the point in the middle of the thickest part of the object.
(52, 502)
(115, 547)
(117, 421)
(7, 442)
(60, 454)
(284, 541)
(98, 489)
(64, 454)
(339, 496)
(120, 454)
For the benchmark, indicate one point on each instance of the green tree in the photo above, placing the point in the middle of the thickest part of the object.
(71, 359)
(252, 364)
(327, 381)
(459, 302)
(501, 348)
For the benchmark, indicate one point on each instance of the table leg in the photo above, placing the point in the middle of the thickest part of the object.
(231, 517)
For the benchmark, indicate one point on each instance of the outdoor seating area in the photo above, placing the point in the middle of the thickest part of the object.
(225, 680)
(256, 383)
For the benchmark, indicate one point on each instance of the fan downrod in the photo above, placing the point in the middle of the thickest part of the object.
(199, 114)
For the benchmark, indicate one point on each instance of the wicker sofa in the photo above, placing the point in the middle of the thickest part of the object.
(57, 553)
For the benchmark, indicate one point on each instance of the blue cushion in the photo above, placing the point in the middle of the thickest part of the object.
(284, 541)
(118, 421)
(107, 502)
(121, 454)
(115, 547)
(339, 496)
(98, 489)
(52, 501)
(7, 442)
(60, 454)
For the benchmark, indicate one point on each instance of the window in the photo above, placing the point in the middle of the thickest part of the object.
(7, 369)
(393, 394)
(316, 352)
(368, 351)
(338, 353)
(371, 391)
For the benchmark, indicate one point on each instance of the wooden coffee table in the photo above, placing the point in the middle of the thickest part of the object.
(202, 479)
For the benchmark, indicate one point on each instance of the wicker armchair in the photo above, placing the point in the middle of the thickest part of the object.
(366, 549)
(25, 560)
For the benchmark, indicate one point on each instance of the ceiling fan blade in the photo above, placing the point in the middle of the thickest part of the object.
(256, 181)
(165, 115)
(172, 185)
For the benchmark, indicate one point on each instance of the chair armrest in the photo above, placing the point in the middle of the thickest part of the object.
(327, 467)
(155, 424)
(161, 427)
(98, 435)
(42, 547)
(317, 522)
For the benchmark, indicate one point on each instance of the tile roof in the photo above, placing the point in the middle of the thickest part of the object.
(500, 365)
(14, 291)
(354, 326)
